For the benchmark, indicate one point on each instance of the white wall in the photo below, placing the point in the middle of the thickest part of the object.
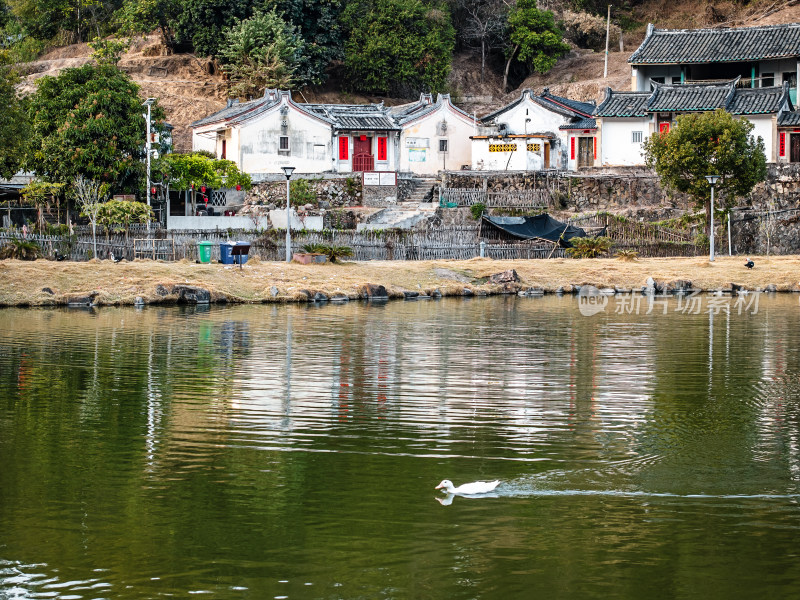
(278, 219)
(529, 118)
(419, 142)
(617, 147)
(209, 223)
(309, 143)
(207, 142)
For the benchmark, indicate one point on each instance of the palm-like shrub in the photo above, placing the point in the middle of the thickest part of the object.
(20, 249)
(590, 247)
(332, 252)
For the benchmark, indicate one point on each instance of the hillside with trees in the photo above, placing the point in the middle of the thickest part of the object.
(194, 54)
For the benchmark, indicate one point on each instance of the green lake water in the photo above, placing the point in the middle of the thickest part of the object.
(292, 451)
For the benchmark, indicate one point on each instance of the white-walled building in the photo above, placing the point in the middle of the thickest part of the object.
(625, 119)
(764, 56)
(434, 136)
(528, 134)
(263, 135)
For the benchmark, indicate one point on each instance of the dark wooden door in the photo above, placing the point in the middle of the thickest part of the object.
(794, 147)
(586, 152)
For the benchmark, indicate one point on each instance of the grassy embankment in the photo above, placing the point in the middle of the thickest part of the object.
(23, 283)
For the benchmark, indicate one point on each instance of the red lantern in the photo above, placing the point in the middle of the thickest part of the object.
(238, 188)
(153, 191)
(203, 189)
(192, 186)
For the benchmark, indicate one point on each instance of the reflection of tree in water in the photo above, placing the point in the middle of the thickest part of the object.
(708, 401)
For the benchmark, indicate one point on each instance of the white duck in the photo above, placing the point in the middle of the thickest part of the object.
(468, 489)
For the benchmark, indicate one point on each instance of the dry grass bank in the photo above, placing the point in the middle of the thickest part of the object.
(46, 282)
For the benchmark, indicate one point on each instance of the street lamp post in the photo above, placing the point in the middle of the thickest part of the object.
(712, 179)
(148, 103)
(288, 172)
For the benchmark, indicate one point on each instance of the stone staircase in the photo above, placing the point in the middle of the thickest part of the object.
(422, 186)
(408, 213)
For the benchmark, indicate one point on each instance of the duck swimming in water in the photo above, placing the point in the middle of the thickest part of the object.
(476, 487)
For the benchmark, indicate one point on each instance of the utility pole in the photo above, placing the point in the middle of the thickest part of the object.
(148, 103)
(608, 30)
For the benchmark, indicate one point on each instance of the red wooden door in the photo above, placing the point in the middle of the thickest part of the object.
(362, 146)
(362, 154)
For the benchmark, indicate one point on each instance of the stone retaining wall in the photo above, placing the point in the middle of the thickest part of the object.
(637, 193)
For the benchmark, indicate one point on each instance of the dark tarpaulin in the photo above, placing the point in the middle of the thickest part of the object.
(541, 226)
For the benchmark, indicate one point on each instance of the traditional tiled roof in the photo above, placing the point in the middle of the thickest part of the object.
(580, 124)
(623, 104)
(354, 116)
(413, 110)
(690, 97)
(406, 113)
(235, 109)
(582, 108)
(340, 116)
(757, 101)
(744, 44)
(557, 104)
(696, 97)
(789, 119)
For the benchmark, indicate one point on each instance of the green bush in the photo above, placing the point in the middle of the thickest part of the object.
(20, 249)
(477, 210)
(332, 252)
(301, 193)
(590, 247)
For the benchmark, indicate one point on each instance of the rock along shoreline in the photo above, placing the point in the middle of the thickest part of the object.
(144, 282)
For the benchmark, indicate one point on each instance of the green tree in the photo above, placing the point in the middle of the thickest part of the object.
(65, 21)
(140, 17)
(534, 38)
(260, 52)
(89, 121)
(710, 143)
(108, 51)
(123, 213)
(42, 196)
(193, 171)
(14, 125)
(319, 24)
(200, 23)
(398, 47)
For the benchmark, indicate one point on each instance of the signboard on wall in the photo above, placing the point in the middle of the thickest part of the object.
(413, 142)
(417, 155)
(380, 178)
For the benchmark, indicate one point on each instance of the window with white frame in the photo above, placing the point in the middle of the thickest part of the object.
(283, 143)
(636, 137)
(442, 145)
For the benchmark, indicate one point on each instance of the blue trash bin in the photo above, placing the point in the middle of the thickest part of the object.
(225, 253)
